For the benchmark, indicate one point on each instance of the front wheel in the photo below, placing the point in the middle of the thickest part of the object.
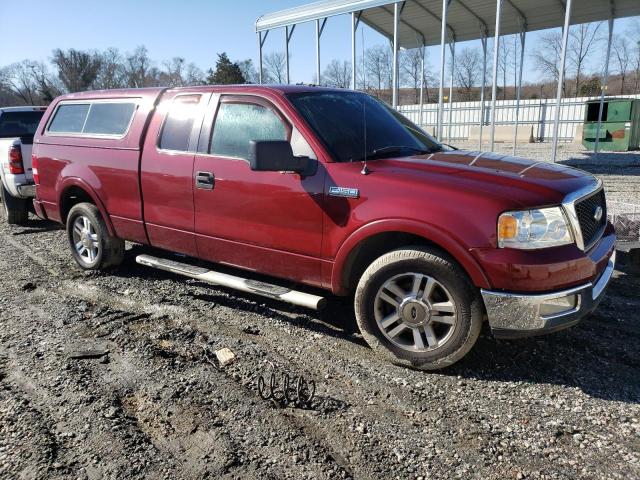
(91, 245)
(418, 308)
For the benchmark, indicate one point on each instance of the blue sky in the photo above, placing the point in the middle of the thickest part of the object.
(193, 29)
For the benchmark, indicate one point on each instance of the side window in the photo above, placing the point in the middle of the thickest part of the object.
(109, 118)
(69, 118)
(94, 118)
(238, 123)
(177, 128)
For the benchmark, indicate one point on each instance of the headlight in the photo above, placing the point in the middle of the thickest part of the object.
(531, 229)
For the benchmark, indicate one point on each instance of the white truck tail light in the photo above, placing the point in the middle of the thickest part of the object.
(16, 166)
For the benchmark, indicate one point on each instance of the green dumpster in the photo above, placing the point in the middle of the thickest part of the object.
(620, 127)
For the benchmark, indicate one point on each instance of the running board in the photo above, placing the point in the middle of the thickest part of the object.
(237, 283)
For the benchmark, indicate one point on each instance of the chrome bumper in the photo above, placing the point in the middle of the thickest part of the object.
(28, 190)
(513, 315)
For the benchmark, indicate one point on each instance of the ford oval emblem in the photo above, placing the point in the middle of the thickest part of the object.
(597, 214)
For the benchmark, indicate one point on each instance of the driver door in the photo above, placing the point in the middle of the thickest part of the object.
(269, 222)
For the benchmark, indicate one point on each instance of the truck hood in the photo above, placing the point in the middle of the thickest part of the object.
(517, 180)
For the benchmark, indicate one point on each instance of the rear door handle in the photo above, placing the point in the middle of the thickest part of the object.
(205, 180)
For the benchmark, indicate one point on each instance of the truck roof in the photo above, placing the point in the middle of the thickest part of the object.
(154, 92)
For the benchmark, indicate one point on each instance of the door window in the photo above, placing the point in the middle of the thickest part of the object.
(178, 126)
(238, 123)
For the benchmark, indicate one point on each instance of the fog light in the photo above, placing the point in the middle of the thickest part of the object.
(558, 306)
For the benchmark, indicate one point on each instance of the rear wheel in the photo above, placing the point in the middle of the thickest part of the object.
(91, 245)
(14, 210)
(418, 308)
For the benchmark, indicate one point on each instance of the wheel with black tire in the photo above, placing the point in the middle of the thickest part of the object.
(14, 210)
(418, 308)
(91, 245)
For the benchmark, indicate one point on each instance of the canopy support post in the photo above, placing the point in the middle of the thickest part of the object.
(443, 35)
(523, 37)
(605, 79)
(355, 21)
(261, 40)
(483, 86)
(319, 30)
(422, 82)
(494, 86)
(287, 37)
(452, 48)
(563, 58)
(396, 23)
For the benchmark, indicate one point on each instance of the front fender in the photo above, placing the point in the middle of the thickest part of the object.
(428, 232)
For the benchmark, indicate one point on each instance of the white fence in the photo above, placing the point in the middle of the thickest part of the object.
(538, 114)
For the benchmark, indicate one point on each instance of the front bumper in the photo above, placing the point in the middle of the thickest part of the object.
(515, 315)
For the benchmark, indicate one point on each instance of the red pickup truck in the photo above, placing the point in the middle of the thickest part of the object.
(331, 189)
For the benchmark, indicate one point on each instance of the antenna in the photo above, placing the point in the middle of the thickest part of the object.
(365, 168)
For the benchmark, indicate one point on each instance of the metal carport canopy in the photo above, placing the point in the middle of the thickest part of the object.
(467, 19)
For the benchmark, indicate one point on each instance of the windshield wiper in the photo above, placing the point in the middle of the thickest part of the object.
(391, 150)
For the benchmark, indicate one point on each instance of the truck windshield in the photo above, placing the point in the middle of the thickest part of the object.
(19, 124)
(354, 126)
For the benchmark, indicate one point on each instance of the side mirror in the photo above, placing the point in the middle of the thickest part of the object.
(276, 156)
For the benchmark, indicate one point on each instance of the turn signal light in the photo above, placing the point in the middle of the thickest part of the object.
(507, 227)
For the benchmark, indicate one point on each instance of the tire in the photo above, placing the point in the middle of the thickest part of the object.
(91, 245)
(429, 294)
(15, 211)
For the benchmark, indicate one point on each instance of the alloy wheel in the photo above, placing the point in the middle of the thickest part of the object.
(415, 312)
(85, 239)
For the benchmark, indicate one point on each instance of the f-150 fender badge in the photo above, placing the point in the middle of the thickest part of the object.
(344, 192)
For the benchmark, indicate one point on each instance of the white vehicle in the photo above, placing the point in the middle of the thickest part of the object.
(17, 127)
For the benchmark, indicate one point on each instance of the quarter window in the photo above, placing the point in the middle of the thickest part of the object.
(239, 123)
(176, 132)
(93, 118)
(109, 118)
(69, 118)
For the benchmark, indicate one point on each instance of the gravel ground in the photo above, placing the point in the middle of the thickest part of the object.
(159, 405)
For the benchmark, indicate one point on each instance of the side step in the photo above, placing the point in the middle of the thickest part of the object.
(237, 283)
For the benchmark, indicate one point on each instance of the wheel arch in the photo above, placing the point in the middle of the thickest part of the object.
(371, 241)
(74, 190)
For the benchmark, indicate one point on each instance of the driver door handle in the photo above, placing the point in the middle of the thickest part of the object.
(205, 180)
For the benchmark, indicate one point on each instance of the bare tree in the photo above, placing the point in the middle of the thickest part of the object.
(505, 54)
(378, 68)
(636, 67)
(139, 70)
(173, 74)
(275, 67)
(468, 71)
(411, 70)
(622, 58)
(582, 40)
(337, 74)
(192, 75)
(249, 71)
(547, 56)
(77, 70)
(112, 71)
(583, 37)
(29, 83)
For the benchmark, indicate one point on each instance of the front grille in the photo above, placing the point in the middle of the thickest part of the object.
(586, 213)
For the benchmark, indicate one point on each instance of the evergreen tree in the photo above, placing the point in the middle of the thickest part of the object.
(226, 72)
